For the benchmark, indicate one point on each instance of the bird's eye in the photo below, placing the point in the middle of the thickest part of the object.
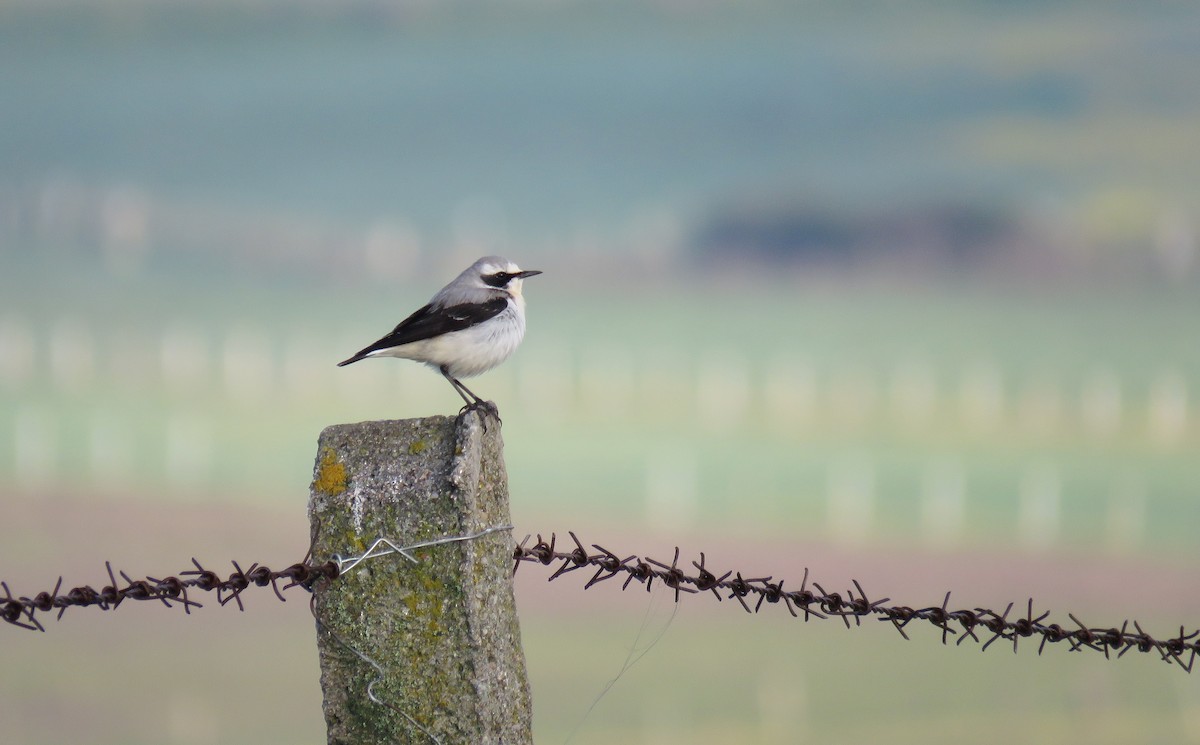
(499, 279)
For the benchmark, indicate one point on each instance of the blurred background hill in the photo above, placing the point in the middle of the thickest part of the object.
(918, 279)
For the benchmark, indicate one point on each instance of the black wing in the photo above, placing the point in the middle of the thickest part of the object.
(429, 322)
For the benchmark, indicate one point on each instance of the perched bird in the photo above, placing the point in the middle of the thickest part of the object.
(470, 326)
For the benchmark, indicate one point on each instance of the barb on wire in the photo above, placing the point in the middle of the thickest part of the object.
(855, 605)
(960, 624)
(171, 591)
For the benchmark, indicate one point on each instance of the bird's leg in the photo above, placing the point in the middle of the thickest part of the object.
(472, 403)
(459, 388)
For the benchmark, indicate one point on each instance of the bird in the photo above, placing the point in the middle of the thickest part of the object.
(468, 327)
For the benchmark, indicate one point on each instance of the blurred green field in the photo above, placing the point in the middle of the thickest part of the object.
(203, 208)
(758, 403)
(591, 451)
(146, 674)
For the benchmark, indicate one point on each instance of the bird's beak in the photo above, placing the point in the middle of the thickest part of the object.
(528, 273)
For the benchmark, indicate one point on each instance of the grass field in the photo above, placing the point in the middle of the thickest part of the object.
(751, 404)
(145, 674)
(633, 451)
(202, 209)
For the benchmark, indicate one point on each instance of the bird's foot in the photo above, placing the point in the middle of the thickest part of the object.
(487, 409)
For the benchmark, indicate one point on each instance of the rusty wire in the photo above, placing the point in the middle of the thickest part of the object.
(811, 599)
(170, 591)
(855, 605)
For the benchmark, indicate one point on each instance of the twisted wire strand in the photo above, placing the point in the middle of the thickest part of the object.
(171, 591)
(983, 626)
(813, 601)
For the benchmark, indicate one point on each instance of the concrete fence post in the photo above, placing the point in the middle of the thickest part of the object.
(442, 632)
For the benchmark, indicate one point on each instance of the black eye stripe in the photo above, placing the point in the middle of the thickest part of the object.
(499, 279)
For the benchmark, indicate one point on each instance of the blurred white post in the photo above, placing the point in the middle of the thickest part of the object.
(606, 381)
(184, 359)
(308, 366)
(1168, 406)
(672, 483)
(111, 449)
(247, 364)
(981, 398)
(914, 394)
(130, 361)
(16, 352)
(125, 228)
(544, 381)
(1040, 406)
(1100, 403)
(189, 451)
(72, 355)
(1038, 507)
(664, 387)
(722, 390)
(1176, 246)
(790, 394)
(943, 499)
(35, 447)
(852, 397)
(1126, 515)
(851, 500)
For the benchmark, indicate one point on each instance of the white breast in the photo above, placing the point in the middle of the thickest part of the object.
(473, 350)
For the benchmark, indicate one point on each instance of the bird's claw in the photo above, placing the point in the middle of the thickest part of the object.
(488, 408)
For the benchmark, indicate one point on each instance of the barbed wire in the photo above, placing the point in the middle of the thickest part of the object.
(855, 604)
(171, 591)
(811, 599)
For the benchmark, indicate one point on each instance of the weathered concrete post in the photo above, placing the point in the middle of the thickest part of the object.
(443, 631)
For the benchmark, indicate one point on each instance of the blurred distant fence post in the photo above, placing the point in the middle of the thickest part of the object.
(426, 651)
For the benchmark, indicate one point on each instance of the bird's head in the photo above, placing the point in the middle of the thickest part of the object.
(496, 273)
